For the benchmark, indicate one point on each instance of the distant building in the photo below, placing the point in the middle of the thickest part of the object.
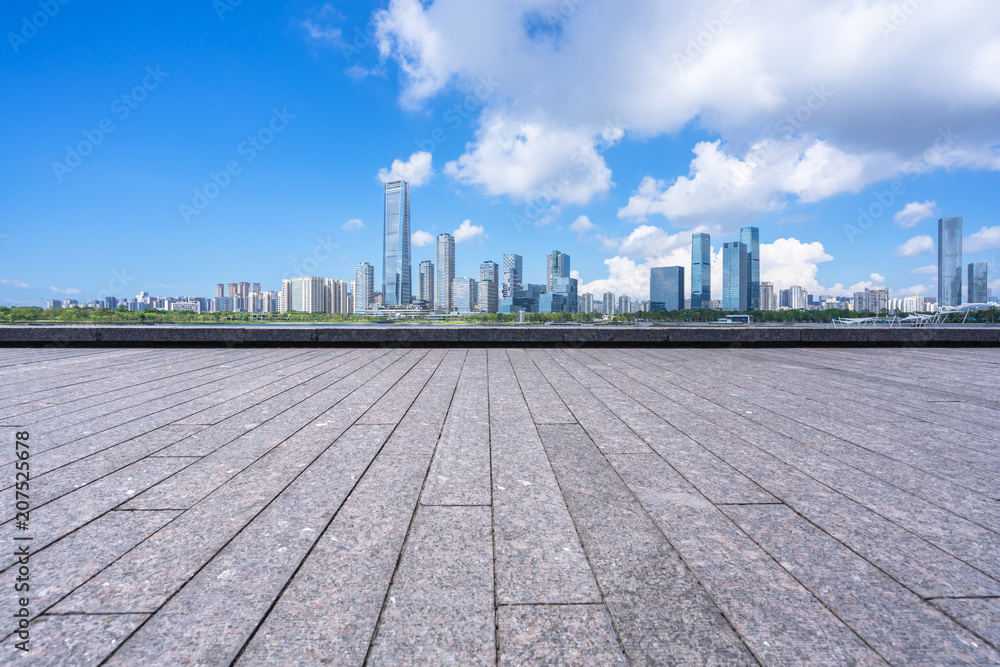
(110, 302)
(734, 276)
(221, 304)
(562, 298)
(487, 296)
(978, 288)
(586, 302)
(220, 290)
(950, 262)
(445, 272)
(396, 273)
(364, 287)
(556, 266)
(463, 295)
(799, 298)
(53, 304)
(872, 300)
(767, 299)
(425, 283)
(666, 288)
(750, 237)
(624, 305)
(304, 295)
(335, 296)
(512, 275)
(609, 303)
(701, 270)
(192, 306)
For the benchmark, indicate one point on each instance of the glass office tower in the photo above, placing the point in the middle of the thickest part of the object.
(445, 272)
(512, 275)
(701, 270)
(734, 277)
(557, 266)
(425, 286)
(977, 282)
(750, 237)
(666, 288)
(396, 274)
(950, 262)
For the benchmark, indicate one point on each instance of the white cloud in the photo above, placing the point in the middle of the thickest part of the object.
(722, 186)
(467, 232)
(877, 279)
(18, 284)
(917, 290)
(68, 290)
(321, 33)
(915, 246)
(531, 161)
(929, 270)
(421, 238)
(788, 262)
(916, 212)
(775, 73)
(352, 224)
(582, 225)
(986, 238)
(416, 171)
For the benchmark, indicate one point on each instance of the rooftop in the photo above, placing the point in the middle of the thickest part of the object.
(473, 506)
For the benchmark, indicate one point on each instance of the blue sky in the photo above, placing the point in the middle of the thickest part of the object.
(579, 127)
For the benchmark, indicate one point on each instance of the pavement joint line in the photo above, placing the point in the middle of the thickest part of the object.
(124, 640)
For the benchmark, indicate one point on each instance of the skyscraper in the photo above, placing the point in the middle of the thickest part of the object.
(445, 272)
(512, 275)
(750, 237)
(463, 292)
(977, 282)
(303, 295)
(396, 274)
(701, 270)
(767, 300)
(557, 266)
(364, 286)
(734, 276)
(219, 290)
(608, 303)
(489, 270)
(487, 296)
(426, 283)
(666, 288)
(336, 296)
(950, 262)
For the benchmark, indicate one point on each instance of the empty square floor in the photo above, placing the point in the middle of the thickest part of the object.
(471, 506)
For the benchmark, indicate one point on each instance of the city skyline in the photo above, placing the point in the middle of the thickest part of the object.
(271, 175)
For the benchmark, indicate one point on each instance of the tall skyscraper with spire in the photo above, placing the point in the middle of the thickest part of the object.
(701, 270)
(750, 237)
(950, 262)
(396, 273)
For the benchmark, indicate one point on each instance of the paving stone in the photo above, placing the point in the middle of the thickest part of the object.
(899, 625)
(539, 557)
(545, 404)
(439, 608)
(981, 616)
(660, 611)
(77, 639)
(574, 634)
(777, 618)
(268, 552)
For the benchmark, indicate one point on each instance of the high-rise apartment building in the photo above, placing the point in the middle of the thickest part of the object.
(557, 266)
(767, 299)
(396, 274)
(512, 275)
(302, 295)
(701, 270)
(666, 288)
(608, 303)
(489, 270)
(750, 237)
(734, 276)
(624, 305)
(256, 288)
(949, 262)
(445, 263)
(799, 298)
(364, 286)
(425, 287)
(335, 295)
(219, 290)
(978, 288)
(587, 302)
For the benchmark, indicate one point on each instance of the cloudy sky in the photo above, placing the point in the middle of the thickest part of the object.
(168, 148)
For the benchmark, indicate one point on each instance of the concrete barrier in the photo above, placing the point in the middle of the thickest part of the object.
(487, 336)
